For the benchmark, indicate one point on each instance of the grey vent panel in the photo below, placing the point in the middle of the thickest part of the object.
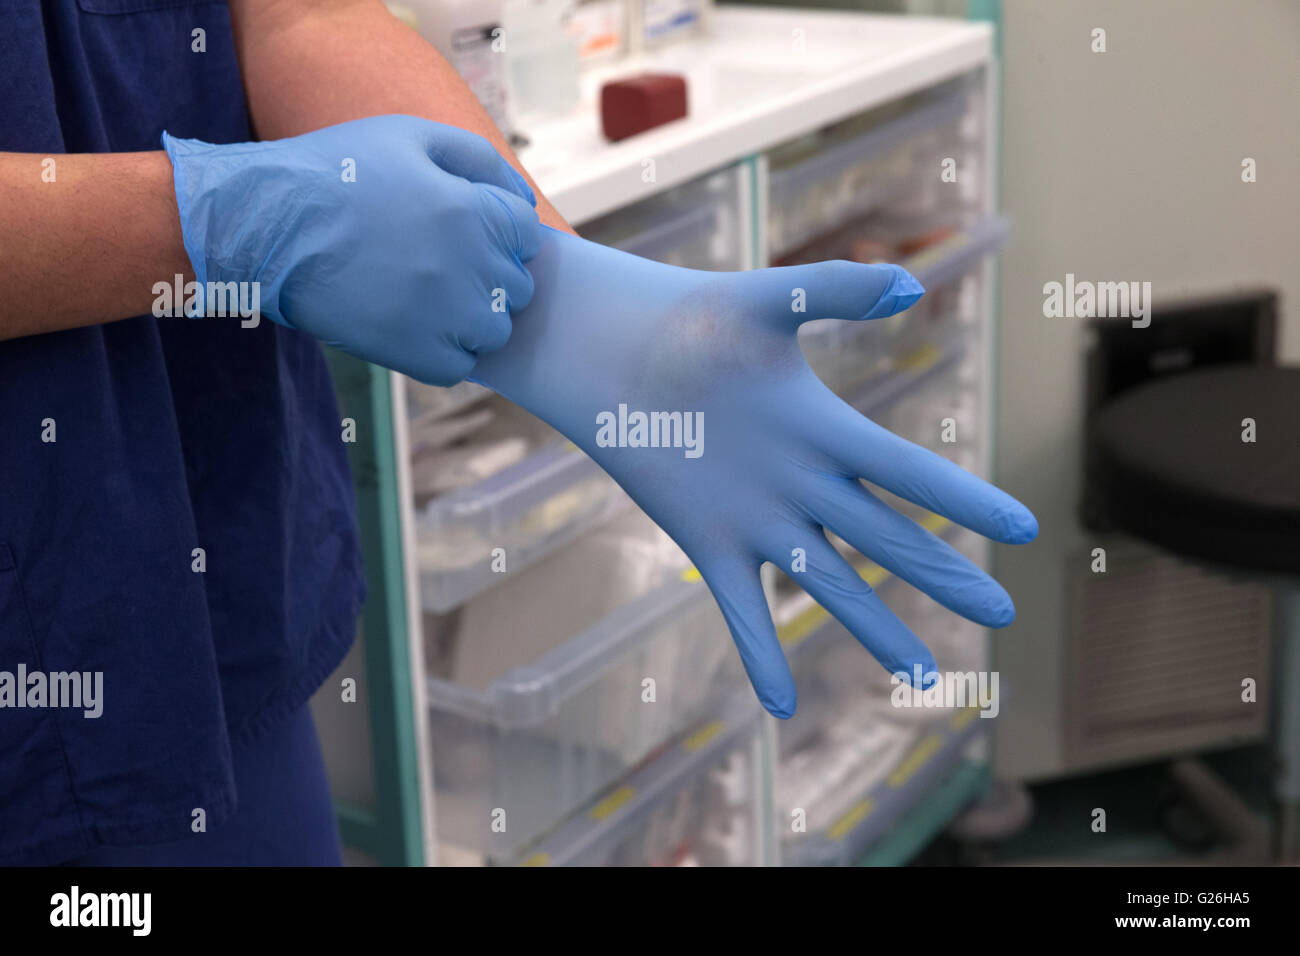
(1156, 654)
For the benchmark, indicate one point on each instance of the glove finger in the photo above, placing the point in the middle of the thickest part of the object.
(512, 221)
(788, 296)
(736, 587)
(832, 583)
(918, 475)
(472, 157)
(484, 332)
(900, 545)
(518, 286)
(447, 369)
(489, 329)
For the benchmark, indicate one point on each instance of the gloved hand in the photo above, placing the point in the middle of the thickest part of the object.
(386, 237)
(778, 457)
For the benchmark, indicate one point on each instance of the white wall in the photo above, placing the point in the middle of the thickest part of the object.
(1123, 165)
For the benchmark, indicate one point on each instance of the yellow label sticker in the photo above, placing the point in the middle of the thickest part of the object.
(939, 250)
(793, 632)
(537, 859)
(964, 717)
(915, 760)
(702, 736)
(847, 823)
(872, 573)
(611, 803)
(919, 359)
(934, 523)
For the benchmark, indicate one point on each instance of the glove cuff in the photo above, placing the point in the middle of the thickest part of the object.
(192, 162)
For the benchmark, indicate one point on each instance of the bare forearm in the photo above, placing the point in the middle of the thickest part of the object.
(313, 63)
(83, 241)
(87, 244)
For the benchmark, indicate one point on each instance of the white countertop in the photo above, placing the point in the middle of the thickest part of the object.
(762, 76)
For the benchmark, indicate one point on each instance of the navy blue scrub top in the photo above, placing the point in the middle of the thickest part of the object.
(169, 435)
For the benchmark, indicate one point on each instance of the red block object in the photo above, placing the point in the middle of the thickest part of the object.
(638, 103)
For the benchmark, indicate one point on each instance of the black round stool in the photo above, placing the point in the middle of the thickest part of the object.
(1174, 462)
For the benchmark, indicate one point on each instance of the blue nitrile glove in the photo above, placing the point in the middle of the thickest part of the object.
(779, 456)
(387, 237)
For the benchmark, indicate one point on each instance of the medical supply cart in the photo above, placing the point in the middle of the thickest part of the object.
(541, 678)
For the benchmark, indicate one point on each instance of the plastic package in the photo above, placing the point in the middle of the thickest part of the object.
(698, 802)
(848, 758)
(922, 416)
(449, 469)
(599, 27)
(465, 32)
(438, 402)
(847, 356)
(657, 22)
(819, 184)
(469, 539)
(856, 762)
(543, 59)
(539, 700)
(494, 487)
(457, 444)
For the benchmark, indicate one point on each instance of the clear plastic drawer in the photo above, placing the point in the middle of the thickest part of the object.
(851, 355)
(546, 690)
(886, 160)
(696, 225)
(698, 802)
(857, 761)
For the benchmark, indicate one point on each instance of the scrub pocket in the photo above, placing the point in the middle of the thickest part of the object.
(37, 807)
